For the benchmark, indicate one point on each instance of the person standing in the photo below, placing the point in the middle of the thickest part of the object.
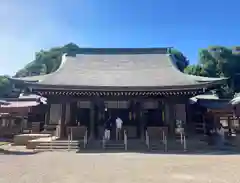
(221, 136)
(107, 128)
(119, 123)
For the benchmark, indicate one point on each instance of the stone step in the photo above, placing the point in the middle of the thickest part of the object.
(59, 144)
(140, 145)
(176, 145)
(56, 147)
(114, 146)
(119, 145)
(61, 141)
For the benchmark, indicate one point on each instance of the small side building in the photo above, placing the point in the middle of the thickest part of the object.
(210, 110)
(26, 112)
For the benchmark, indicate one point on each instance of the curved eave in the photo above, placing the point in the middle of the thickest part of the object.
(39, 86)
(207, 79)
(38, 78)
(213, 104)
(235, 101)
(29, 79)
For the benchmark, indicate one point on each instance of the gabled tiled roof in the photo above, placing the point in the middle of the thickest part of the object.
(121, 68)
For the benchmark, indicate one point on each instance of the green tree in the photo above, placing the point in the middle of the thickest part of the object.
(182, 61)
(5, 86)
(218, 61)
(194, 70)
(46, 62)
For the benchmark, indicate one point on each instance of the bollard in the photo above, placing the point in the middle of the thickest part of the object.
(163, 137)
(181, 137)
(147, 140)
(69, 142)
(51, 146)
(125, 140)
(103, 142)
(166, 144)
(184, 143)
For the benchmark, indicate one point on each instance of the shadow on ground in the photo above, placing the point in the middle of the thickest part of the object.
(170, 152)
(7, 152)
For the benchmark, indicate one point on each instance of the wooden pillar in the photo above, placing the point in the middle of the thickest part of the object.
(68, 114)
(141, 119)
(62, 122)
(163, 114)
(47, 114)
(170, 117)
(92, 120)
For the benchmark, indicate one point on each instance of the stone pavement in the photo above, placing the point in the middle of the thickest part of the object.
(70, 167)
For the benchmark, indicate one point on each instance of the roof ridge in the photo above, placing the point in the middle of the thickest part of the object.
(150, 50)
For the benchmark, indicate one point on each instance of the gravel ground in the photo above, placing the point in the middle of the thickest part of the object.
(70, 167)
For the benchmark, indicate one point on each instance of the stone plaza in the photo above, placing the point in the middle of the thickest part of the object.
(62, 167)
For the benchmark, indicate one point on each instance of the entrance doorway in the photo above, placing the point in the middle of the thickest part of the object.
(113, 110)
(153, 114)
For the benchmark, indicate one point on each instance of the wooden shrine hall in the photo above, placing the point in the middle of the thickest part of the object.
(142, 86)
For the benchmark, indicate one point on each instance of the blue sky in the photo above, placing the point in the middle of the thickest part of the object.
(30, 25)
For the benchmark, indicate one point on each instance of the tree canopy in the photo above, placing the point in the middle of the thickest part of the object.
(48, 61)
(5, 86)
(216, 61)
(183, 62)
(219, 61)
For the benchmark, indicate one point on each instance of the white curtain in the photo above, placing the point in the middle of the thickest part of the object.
(55, 113)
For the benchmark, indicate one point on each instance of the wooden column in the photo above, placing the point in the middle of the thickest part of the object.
(62, 122)
(141, 119)
(68, 114)
(92, 120)
(47, 114)
(170, 117)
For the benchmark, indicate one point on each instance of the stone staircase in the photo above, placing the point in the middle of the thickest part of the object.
(113, 145)
(175, 145)
(156, 145)
(98, 145)
(134, 145)
(58, 145)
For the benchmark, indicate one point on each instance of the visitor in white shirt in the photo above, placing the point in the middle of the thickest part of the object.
(119, 123)
(220, 136)
(108, 126)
